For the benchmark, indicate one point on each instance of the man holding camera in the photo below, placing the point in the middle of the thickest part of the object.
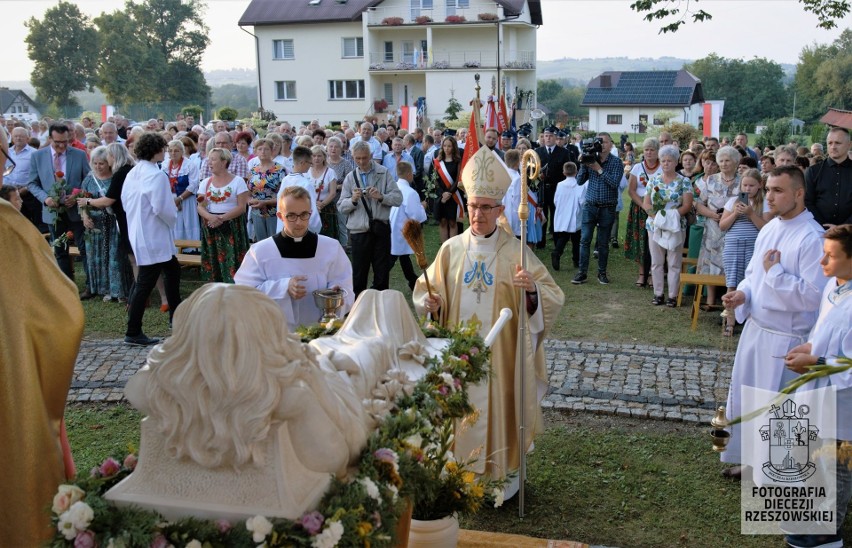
(553, 157)
(602, 171)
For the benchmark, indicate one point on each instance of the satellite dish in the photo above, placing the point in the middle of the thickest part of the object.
(537, 114)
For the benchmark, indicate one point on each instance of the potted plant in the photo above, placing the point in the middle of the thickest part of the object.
(487, 16)
(379, 105)
(455, 19)
(392, 21)
(422, 19)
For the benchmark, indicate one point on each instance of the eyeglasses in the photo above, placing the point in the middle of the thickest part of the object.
(12, 165)
(486, 209)
(300, 216)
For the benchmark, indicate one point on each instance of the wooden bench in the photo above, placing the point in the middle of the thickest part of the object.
(183, 258)
(699, 281)
(182, 245)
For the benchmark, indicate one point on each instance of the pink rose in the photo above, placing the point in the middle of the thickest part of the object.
(443, 390)
(130, 461)
(159, 541)
(312, 522)
(474, 351)
(464, 358)
(65, 497)
(109, 467)
(76, 191)
(85, 539)
(223, 525)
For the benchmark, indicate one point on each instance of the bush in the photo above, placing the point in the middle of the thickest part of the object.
(192, 110)
(819, 132)
(777, 132)
(227, 113)
(95, 116)
(455, 19)
(422, 19)
(487, 17)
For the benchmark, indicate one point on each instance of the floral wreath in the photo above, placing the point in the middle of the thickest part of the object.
(407, 461)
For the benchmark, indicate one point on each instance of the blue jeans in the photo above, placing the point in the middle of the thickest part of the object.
(603, 218)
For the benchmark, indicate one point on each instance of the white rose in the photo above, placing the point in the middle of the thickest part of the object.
(193, 544)
(65, 497)
(372, 488)
(81, 515)
(260, 527)
(414, 440)
(66, 527)
(329, 537)
(498, 497)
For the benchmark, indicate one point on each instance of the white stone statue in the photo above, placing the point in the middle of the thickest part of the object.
(244, 419)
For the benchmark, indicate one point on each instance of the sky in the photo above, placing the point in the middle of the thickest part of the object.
(774, 29)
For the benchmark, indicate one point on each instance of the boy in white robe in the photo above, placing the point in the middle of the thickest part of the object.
(301, 165)
(291, 265)
(512, 199)
(568, 199)
(411, 208)
(778, 299)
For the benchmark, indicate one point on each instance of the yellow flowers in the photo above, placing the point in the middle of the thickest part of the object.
(364, 528)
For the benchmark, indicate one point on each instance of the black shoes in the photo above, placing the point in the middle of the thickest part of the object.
(658, 300)
(579, 278)
(140, 340)
(554, 261)
(671, 303)
(602, 279)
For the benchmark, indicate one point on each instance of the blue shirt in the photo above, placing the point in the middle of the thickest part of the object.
(390, 162)
(21, 174)
(603, 189)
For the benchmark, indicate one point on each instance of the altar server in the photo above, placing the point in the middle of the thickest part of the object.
(301, 165)
(290, 265)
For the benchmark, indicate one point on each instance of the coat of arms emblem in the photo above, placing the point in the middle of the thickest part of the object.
(789, 434)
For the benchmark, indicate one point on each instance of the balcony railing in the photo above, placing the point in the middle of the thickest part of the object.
(414, 16)
(447, 59)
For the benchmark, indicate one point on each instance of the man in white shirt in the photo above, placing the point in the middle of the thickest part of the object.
(291, 265)
(21, 153)
(366, 135)
(411, 208)
(151, 216)
(301, 165)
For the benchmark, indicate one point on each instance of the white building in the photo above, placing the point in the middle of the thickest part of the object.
(628, 101)
(16, 104)
(330, 60)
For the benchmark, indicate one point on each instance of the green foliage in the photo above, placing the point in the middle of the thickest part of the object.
(453, 108)
(241, 98)
(64, 49)
(95, 116)
(819, 132)
(777, 132)
(726, 79)
(827, 11)
(558, 95)
(192, 110)
(151, 52)
(227, 113)
(682, 133)
(735, 127)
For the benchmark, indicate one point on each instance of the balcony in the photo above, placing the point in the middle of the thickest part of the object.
(391, 17)
(444, 59)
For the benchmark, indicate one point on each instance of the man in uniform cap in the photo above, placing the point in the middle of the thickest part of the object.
(474, 276)
(507, 140)
(552, 158)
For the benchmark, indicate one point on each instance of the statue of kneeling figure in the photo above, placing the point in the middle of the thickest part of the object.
(244, 419)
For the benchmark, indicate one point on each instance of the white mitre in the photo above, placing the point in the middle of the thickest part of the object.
(485, 175)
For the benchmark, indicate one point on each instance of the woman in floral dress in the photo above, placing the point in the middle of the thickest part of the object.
(667, 191)
(223, 198)
(264, 182)
(636, 239)
(713, 194)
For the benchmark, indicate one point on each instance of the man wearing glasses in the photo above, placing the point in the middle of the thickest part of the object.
(474, 276)
(292, 264)
(61, 217)
(18, 161)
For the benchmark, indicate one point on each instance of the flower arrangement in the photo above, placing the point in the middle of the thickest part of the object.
(455, 19)
(379, 105)
(407, 458)
(487, 17)
(377, 66)
(422, 19)
(519, 64)
(441, 65)
(392, 21)
(472, 64)
(406, 66)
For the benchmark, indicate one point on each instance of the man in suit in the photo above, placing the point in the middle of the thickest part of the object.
(417, 155)
(61, 217)
(552, 159)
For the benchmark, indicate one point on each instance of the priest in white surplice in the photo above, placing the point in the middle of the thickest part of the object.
(289, 266)
(779, 297)
(474, 276)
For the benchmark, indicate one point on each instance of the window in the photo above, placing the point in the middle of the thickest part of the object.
(346, 89)
(388, 52)
(658, 121)
(283, 49)
(353, 47)
(613, 119)
(388, 93)
(285, 91)
(408, 52)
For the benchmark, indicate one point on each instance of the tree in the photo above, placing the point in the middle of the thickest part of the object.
(777, 132)
(152, 52)
(547, 90)
(63, 48)
(753, 90)
(678, 11)
(227, 113)
(453, 108)
(822, 77)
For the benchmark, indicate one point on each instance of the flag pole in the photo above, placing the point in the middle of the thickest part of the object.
(530, 168)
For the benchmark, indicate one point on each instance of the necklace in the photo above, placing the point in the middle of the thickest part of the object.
(480, 276)
(729, 181)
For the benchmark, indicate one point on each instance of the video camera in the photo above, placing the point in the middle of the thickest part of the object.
(591, 150)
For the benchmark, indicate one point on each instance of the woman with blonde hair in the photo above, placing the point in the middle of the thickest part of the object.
(324, 180)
